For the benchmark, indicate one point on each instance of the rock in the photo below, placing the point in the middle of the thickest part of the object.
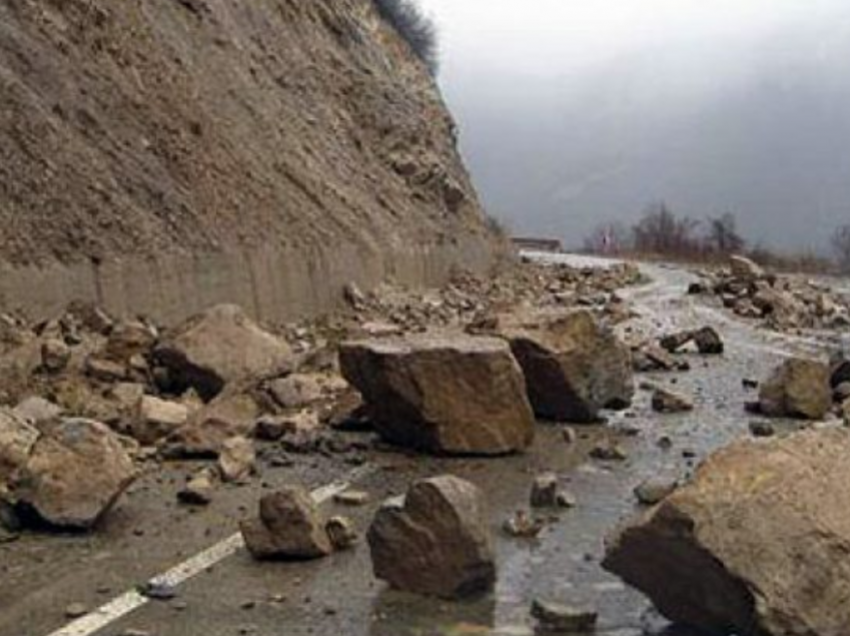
(236, 460)
(17, 438)
(655, 358)
(199, 489)
(544, 491)
(157, 419)
(666, 401)
(289, 527)
(521, 525)
(221, 346)
(839, 371)
(573, 366)
(554, 618)
(55, 355)
(754, 544)
(342, 533)
(352, 498)
(74, 474)
(673, 342)
(845, 412)
(565, 499)
(37, 411)
(797, 388)
(745, 270)
(435, 541)
(91, 317)
(127, 395)
(444, 394)
(295, 391)
(76, 610)
(760, 428)
(609, 451)
(841, 392)
(208, 428)
(129, 338)
(105, 370)
(653, 490)
(708, 341)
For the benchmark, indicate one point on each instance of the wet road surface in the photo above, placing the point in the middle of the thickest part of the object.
(149, 533)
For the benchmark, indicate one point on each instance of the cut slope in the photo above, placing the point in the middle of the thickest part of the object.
(159, 155)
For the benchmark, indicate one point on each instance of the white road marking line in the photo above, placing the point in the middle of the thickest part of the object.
(133, 600)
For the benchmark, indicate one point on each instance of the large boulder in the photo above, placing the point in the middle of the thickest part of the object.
(74, 474)
(756, 544)
(289, 527)
(450, 394)
(435, 541)
(221, 346)
(17, 438)
(573, 365)
(798, 388)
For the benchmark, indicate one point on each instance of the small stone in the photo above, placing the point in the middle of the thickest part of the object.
(199, 490)
(665, 401)
(655, 489)
(55, 355)
(352, 498)
(105, 370)
(76, 610)
(761, 428)
(158, 591)
(569, 435)
(237, 459)
(342, 533)
(522, 525)
(609, 451)
(566, 499)
(563, 619)
(544, 491)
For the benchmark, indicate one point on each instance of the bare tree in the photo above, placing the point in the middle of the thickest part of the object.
(415, 27)
(662, 232)
(723, 236)
(841, 248)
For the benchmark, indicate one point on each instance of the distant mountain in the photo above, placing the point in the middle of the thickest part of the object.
(761, 129)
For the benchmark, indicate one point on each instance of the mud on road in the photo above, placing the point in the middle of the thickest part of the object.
(42, 575)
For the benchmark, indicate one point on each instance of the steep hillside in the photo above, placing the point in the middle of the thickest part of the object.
(161, 155)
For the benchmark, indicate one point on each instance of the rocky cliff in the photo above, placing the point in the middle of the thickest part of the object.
(158, 156)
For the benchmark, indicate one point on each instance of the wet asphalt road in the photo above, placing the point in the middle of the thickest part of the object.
(41, 575)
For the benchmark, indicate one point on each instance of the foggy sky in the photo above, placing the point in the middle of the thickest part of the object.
(574, 112)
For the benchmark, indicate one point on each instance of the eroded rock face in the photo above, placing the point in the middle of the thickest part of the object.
(573, 366)
(220, 346)
(435, 541)
(289, 527)
(757, 543)
(444, 394)
(74, 474)
(797, 388)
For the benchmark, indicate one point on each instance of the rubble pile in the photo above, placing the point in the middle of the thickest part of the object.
(783, 303)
